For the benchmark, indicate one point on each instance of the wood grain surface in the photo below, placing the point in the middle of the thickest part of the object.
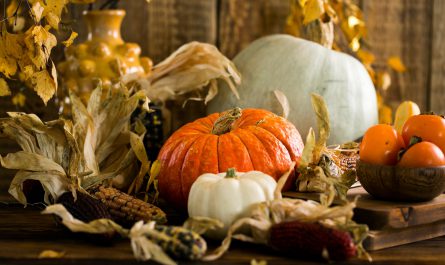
(24, 233)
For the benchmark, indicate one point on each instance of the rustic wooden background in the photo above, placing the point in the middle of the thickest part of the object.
(411, 29)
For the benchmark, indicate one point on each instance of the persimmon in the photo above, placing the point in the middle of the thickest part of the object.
(423, 154)
(429, 127)
(380, 145)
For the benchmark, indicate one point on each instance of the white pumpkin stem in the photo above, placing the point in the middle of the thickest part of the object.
(231, 173)
(224, 123)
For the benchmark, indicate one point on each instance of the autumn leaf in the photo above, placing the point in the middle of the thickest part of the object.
(39, 43)
(383, 80)
(70, 40)
(312, 10)
(37, 11)
(365, 57)
(395, 63)
(44, 84)
(53, 12)
(51, 254)
(19, 100)
(4, 88)
(8, 64)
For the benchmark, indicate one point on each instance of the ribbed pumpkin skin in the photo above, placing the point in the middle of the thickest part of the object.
(259, 140)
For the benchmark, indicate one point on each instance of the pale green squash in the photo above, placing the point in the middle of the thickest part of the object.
(297, 68)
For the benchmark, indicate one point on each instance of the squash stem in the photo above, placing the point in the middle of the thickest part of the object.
(231, 173)
(224, 123)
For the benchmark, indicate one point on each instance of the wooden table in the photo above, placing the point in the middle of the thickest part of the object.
(24, 233)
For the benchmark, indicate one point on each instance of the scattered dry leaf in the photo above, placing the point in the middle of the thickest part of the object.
(19, 99)
(284, 102)
(312, 10)
(4, 88)
(396, 63)
(51, 254)
(37, 11)
(70, 40)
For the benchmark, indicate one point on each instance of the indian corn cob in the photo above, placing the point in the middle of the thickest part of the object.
(126, 209)
(347, 161)
(312, 240)
(179, 242)
(86, 208)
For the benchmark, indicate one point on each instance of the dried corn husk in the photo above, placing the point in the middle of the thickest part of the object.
(264, 215)
(50, 155)
(108, 145)
(192, 67)
(319, 172)
(68, 156)
(140, 234)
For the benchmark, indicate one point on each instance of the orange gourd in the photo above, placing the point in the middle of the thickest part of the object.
(249, 139)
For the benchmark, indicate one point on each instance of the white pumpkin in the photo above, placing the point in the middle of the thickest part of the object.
(228, 196)
(297, 68)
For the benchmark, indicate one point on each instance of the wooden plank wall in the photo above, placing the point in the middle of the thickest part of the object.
(410, 29)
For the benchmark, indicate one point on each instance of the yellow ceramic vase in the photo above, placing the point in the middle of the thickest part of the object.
(104, 56)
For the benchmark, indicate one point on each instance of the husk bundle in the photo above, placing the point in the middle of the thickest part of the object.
(69, 155)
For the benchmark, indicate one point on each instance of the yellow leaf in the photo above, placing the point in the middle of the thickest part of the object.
(17, 24)
(51, 254)
(37, 11)
(385, 114)
(4, 88)
(70, 40)
(53, 12)
(82, 1)
(8, 64)
(355, 44)
(365, 57)
(155, 168)
(383, 80)
(354, 21)
(404, 111)
(44, 84)
(312, 10)
(39, 43)
(395, 63)
(19, 100)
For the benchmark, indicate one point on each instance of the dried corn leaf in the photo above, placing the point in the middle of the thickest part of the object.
(200, 224)
(265, 214)
(143, 248)
(284, 102)
(103, 132)
(321, 111)
(54, 185)
(49, 155)
(308, 150)
(190, 68)
(137, 145)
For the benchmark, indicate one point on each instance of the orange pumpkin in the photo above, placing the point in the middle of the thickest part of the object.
(249, 139)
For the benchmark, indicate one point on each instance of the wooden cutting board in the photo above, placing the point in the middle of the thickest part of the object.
(393, 223)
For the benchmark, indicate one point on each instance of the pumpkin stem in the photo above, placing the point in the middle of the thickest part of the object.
(224, 123)
(231, 173)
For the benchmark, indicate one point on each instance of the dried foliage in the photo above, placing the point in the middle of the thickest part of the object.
(147, 240)
(25, 52)
(263, 215)
(67, 155)
(191, 68)
(318, 170)
(340, 24)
